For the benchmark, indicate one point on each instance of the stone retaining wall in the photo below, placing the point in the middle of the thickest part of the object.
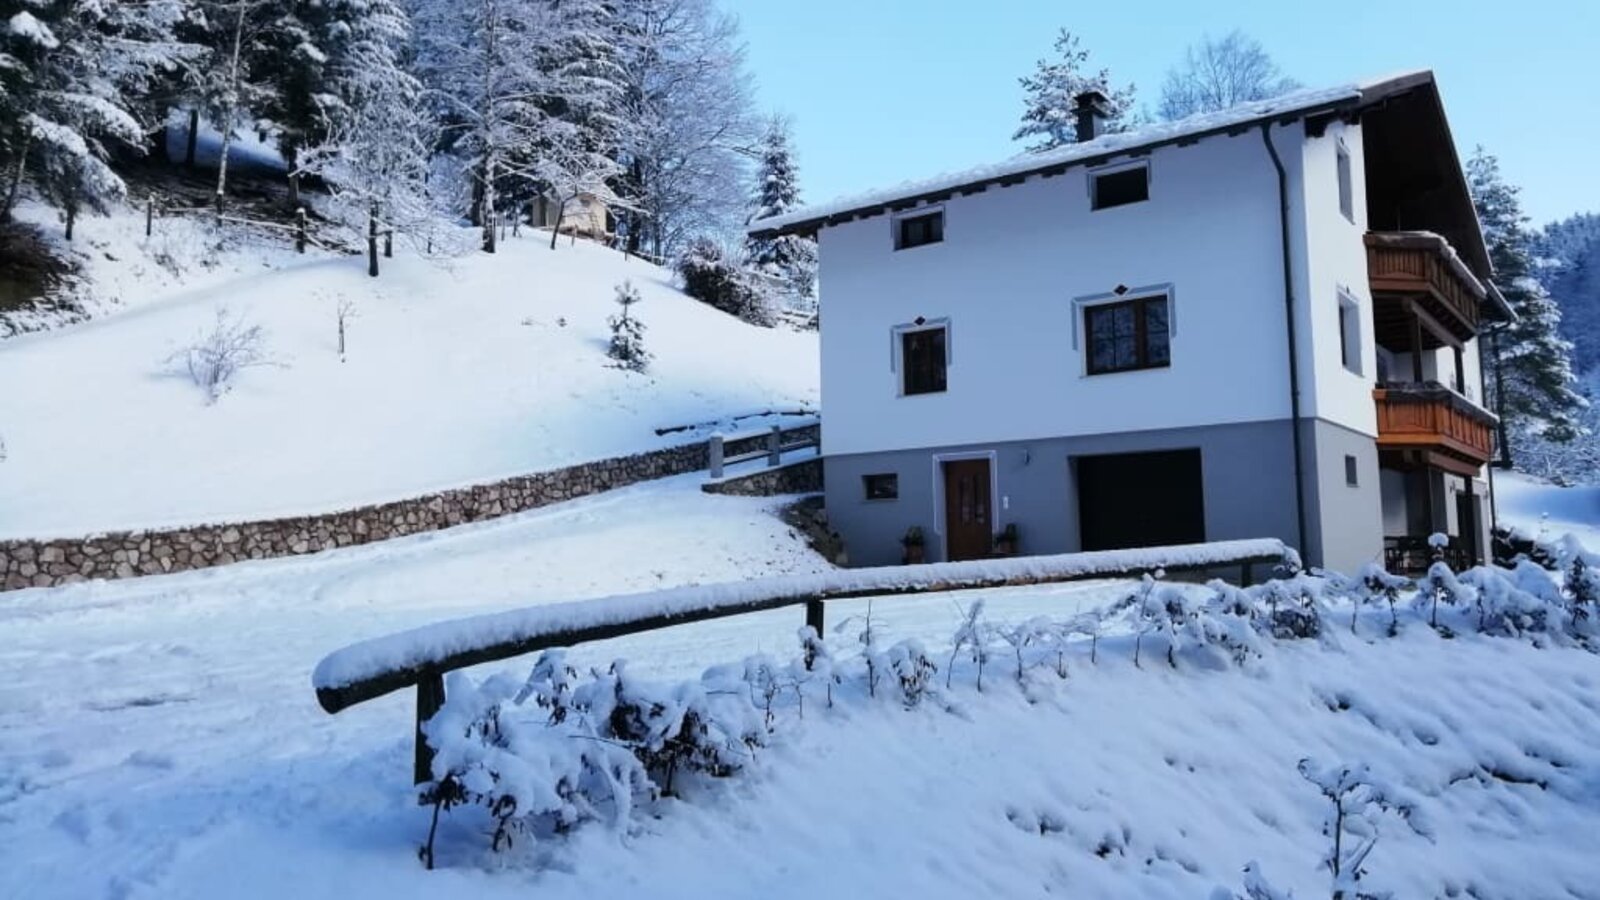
(804, 477)
(125, 554)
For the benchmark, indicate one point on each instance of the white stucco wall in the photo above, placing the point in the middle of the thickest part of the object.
(1006, 275)
(1336, 265)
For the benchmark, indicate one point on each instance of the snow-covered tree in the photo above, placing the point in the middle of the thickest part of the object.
(1221, 72)
(502, 78)
(70, 73)
(375, 158)
(689, 125)
(1048, 116)
(1531, 382)
(627, 332)
(1569, 268)
(790, 260)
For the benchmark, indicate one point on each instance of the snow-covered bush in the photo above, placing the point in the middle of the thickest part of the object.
(972, 636)
(585, 749)
(1294, 607)
(817, 659)
(913, 671)
(1378, 586)
(1356, 798)
(627, 332)
(711, 276)
(218, 354)
(1507, 609)
(1441, 585)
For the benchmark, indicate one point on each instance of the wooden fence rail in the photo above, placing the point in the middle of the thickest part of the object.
(420, 658)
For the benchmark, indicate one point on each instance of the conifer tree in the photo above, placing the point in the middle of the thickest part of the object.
(1048, 116)
(627, 332)
(790, 259)
(1531, 384)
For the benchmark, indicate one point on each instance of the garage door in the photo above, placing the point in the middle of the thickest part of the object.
(1140, 499)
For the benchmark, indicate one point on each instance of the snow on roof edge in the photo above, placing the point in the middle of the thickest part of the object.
(1111, 144)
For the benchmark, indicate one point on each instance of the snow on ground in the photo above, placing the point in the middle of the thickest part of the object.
(457, 373)
(159, 738)
(1546, 511)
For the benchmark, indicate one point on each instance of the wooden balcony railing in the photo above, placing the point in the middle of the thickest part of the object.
(1435, 426)
(1422, 267)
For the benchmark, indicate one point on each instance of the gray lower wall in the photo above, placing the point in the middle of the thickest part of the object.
(1247, 472)
(1344, 523)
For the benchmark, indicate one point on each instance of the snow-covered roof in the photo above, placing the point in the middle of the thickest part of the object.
(1101, 149)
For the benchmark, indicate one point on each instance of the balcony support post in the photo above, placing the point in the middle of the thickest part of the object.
(1416, 347)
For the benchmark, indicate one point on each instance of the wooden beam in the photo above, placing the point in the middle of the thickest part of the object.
(1445, 335)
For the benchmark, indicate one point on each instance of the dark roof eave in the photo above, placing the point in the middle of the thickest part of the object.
(809, 227)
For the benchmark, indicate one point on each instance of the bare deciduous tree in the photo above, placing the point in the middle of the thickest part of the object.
(1221, 72)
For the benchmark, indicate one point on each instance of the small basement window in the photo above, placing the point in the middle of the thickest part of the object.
(917, 230)
(1119, 188)
(923, 360)
(1351, 474)
(881, 487)
(1128, 335)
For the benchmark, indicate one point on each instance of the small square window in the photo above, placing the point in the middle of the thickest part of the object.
(881, 487)
(1347, 201)
(1350, 334)
(1119, 188)
(917, 230)
(1351, 472)
(1132, 334)
(923, 360)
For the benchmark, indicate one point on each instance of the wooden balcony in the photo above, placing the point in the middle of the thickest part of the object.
(1431, 425)
(1417, 275)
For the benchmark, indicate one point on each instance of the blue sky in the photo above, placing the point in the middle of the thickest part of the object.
(881, 91)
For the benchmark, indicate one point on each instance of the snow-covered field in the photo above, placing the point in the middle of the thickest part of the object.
(1546, 512)
(159, 738)
(456, 373)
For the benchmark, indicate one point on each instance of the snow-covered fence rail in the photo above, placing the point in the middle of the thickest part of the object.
(420, 657)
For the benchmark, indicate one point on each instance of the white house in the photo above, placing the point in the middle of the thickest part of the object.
(1259, 322)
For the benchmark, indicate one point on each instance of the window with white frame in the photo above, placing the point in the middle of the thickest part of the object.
(1350, 333)
(1119, 186)
(1347, 198)
(922, 356)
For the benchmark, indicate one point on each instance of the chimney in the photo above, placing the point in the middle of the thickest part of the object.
(1092, 110)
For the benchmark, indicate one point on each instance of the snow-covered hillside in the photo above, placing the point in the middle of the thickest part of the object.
(162, 740)
(1547, 512)
(458, 372)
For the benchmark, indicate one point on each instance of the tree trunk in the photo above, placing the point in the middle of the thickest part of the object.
(372, 241)
(193, 139)
(160, 151)
(294, 179)
(16, 177)
(72, 218)
(230, 107)
(1503, 434)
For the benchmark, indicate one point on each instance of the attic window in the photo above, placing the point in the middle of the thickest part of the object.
(919, 229)
(1119, 187)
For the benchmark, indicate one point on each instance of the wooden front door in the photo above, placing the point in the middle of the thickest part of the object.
(968, 516)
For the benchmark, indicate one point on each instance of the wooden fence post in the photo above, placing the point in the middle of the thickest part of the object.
(714, 454)
(149, 213)
(300, 230)
(430, 696)
(775, 446)
(388, 243)
(814, 616)
(1245, 574)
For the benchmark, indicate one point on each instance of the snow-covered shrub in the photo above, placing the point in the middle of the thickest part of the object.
(585, 749)
(972, 636)
(627, 332)
(913, 670)
(1256, 887)
(1294, 607)
(711, 276)
(218, 354)
(761, 674)
(1227, 621)
(1441, 584)
(1379, 586)
(1031, 632)
(1505, 609)
(871, 654)
(816, 659)
(1356, 798)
